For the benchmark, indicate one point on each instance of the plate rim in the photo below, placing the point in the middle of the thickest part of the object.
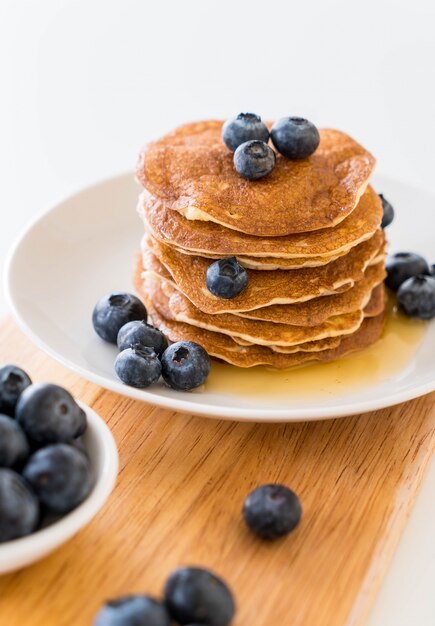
(269, 415)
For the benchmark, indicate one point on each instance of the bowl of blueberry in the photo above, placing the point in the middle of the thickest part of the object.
(58, 466)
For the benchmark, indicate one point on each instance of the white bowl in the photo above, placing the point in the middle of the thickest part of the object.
(103, 454)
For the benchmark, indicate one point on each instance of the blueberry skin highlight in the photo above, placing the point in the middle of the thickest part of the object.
(14, 447)
(113, 311)
(133, 611)
(49, 414)
(272, 511)
(254, 159)
(295, 137)
(139, 332)
(416, 297)
(226, 278)
(61, 477)
(244, 127)
(404, 265)
(388, 210)
(185, 365)
(193, 594)
(138, 366)
(13, 381)
(19, 508)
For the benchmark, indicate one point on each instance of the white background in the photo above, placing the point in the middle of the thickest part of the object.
(83, 83)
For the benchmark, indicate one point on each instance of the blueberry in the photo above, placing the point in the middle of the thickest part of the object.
(133, 611)
(244, 127)
(138, 366)
(143, 333)
(13, 381)
(432, 270)
(388, 215)
(14, 447)
(60, 475)
(403, 265)
(193, 594)
(272, 511)
(295, 137)
(113, 311)
(185, 365)
(254, 159)
(226, 278)
(49, 414)
(19, 509)
(416, 297)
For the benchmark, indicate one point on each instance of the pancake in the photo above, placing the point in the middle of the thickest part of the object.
(193, 171)
(212, 240)
(266, 288)
(274, 263)
(308, 313)
(375, 307)
(309, 346)
(178, 308)
(224, 348)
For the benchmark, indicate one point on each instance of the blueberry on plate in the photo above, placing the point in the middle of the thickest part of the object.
(404, 265)
(193, 594)
(14, 447)
(60, 475)
(254, 159)
(272, 511)
(49, 414)
(295, 137)
(185, 365)
(226, 278)
(388, 210)
(19, 508)
(13, 381)
(133, 611)
(416, 297)
(113, 311)
(146, 335)
(138, 366)
(244, 127)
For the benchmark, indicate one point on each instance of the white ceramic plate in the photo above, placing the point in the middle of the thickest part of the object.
(103, 453)
(85, 246)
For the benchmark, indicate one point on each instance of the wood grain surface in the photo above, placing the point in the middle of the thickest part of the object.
(178, 499)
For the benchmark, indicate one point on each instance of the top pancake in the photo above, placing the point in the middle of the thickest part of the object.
(193, 171)
(209, 239)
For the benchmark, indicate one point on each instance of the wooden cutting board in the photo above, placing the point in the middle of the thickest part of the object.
(180, 490)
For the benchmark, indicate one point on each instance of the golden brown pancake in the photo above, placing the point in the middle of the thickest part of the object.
(310, 313)
(374, 307)
(266, 288)
(223, 347)
(212, 240)
(193, 171)
(179, 308)
(309, 346)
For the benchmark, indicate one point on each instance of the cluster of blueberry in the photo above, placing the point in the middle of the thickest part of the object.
(144, 352)
(44, 468)
(195, 596)
(247, 136)
(409, 275)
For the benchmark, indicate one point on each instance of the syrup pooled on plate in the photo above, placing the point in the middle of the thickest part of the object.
(391, 354)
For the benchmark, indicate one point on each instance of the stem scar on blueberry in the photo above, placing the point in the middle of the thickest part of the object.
(180, 354)
(118, 299)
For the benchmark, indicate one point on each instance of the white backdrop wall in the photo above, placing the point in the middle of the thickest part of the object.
(83, 83)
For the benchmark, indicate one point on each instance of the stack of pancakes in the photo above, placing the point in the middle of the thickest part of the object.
(308, 234)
